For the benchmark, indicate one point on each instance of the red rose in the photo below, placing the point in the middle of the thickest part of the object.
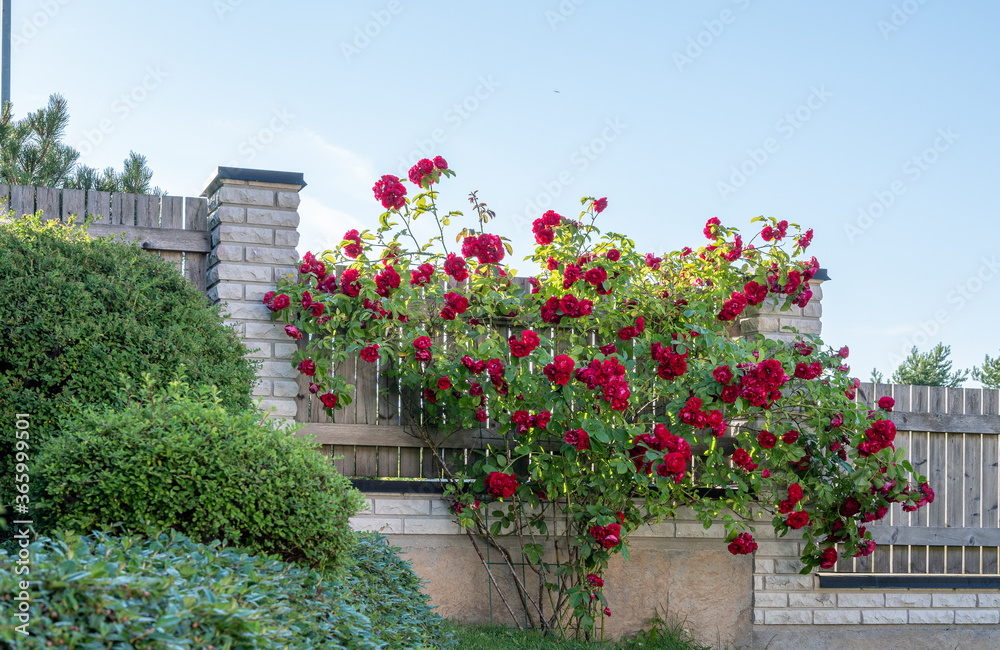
(595, 580)
(280, 302)
(850, 507)
(723, 374)
(307, 367)
(444, 383)
(455, 267)
(354, 248)
(829, 557)
(600, 205)
(766, 439)
(441, 163)
(481, 415)
(317, 309)
(314, 388)
(886, 403)
(370, 353)
(329, 400)
(795, 492)
(293, 332)
(790, 437)
(595, 276)
(501, 485)
(390, 192)
(844, 352)
(743, 544)
(423, 355)
(798, 519)
(422, 342)
(349, 284)
(614, 254)
(578, 438)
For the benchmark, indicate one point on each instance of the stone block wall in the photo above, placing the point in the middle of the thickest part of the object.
(677, 567)
(253, 219)
(790, 608)
(769, 320)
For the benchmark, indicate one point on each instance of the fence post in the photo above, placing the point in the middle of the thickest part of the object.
(768, 320)
(253, 220)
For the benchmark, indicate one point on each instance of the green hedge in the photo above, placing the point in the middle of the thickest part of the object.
(177, 459)
(123, 592)
(81, 317)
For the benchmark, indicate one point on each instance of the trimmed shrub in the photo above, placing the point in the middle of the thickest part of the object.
(82, 317)
(178, 459)
(170, 592)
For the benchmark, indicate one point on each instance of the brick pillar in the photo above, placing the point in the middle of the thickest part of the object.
(253, 220)
(768, 319)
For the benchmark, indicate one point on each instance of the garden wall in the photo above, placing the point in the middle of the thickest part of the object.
(677, 569)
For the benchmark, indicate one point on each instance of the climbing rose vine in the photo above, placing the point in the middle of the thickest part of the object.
(610, 388)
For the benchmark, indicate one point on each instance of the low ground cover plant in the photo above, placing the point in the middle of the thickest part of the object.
(102, 591)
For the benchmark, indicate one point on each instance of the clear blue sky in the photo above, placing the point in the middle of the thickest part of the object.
(851, 102)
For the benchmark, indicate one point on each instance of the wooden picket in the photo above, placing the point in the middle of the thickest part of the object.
(951, 435)
(172, 227)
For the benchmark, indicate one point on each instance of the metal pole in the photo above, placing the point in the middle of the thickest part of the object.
(5, 84)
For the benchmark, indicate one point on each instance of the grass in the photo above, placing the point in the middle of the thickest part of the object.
(660, 636)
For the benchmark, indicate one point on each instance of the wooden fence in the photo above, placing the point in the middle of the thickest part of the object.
(174, 228)
(950, 435)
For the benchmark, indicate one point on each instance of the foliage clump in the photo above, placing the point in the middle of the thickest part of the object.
(178, 459)
(82, 317)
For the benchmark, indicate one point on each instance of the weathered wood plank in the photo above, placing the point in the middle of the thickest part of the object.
(172, 212)
(365, 461)
(919, 399)
(192, 241)
(74, 205)
(972, 479)
(947, 422)
(409, 462)
(123, 209)
(173, 257)
(343, 459)
(935, 535)
(990, 506)
(366, 397)
(195, 213)
(347, 414)
(99, 205)
(388, 462)
(22, 200)
(363, 434)
(388, 394)
(147, 211)
(47, 200)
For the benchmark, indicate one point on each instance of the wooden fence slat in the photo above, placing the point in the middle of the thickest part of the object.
(388, 462)
(343, 459)
(175, 258)
(388, 393)
(937, 477)
(196, 264)
(172, 212)
(47, 199)
(990, 506)
(74, 204)
(147, 211)
(22, 199)
(366, 396)
(409, 462)
(99, 205)
(960, 536)
(348, 414)
(991, 402)
(365, 461)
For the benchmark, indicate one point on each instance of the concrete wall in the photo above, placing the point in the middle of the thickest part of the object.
(676, 567)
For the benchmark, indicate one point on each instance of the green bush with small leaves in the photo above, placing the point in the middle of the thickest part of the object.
(82, 317)
(101, 591)
(177, 459)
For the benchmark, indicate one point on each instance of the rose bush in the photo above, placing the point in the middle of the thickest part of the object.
(611, 380)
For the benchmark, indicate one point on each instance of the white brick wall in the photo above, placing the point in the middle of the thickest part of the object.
(253, 229)
(782, 596)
